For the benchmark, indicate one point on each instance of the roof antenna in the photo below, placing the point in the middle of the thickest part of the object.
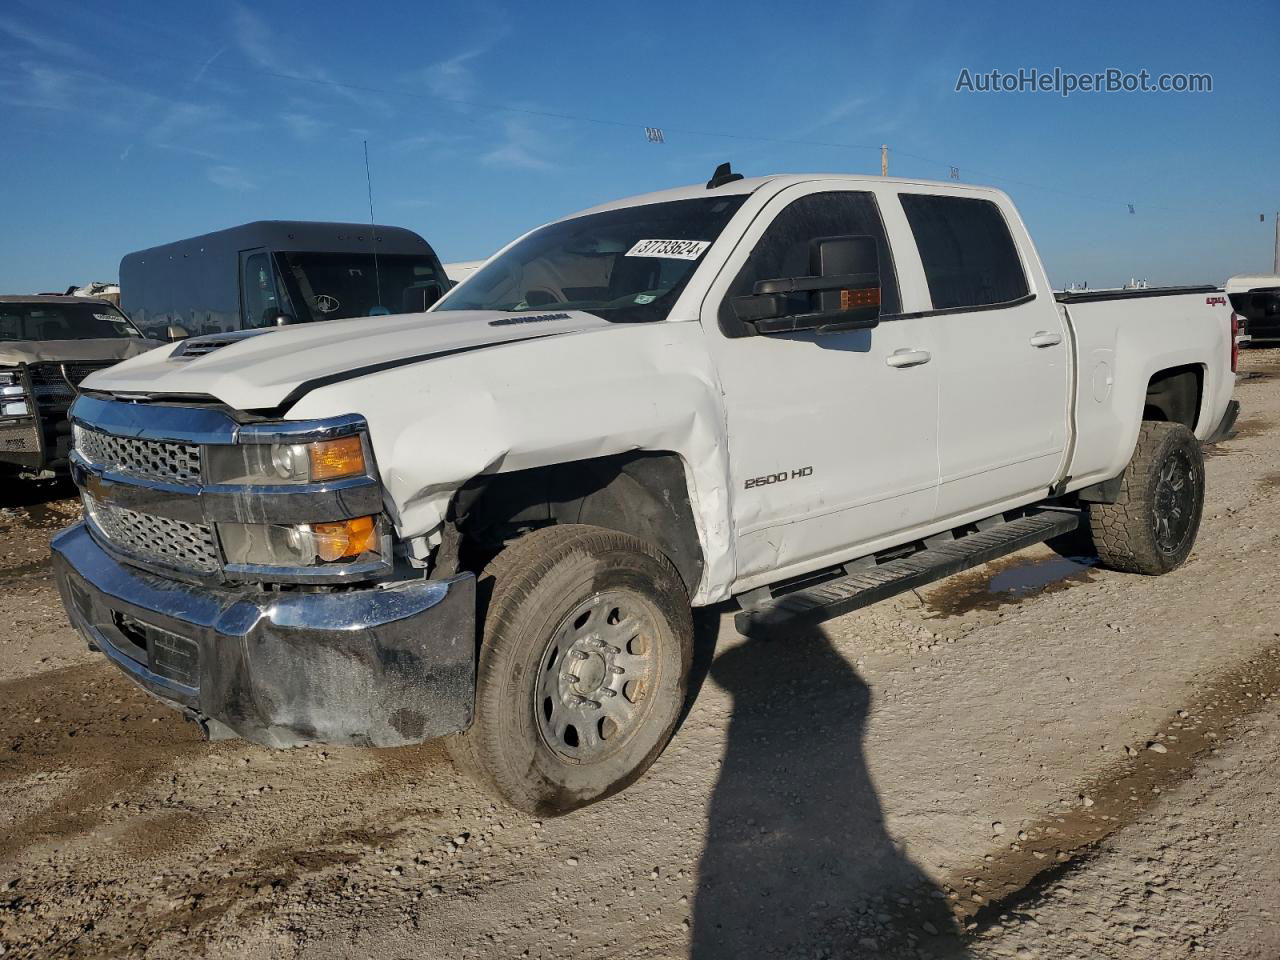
(722, 176)
(373, 227)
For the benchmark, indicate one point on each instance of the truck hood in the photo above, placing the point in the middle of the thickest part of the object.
(254, 370)
(60, 351)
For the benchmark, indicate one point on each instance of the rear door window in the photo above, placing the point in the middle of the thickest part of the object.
(968, 254)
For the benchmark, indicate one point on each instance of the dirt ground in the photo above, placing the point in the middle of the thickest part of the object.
(1038, 759)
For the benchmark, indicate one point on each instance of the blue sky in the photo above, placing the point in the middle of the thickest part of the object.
(137, 123)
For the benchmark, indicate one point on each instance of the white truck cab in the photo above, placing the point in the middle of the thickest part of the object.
(490, 521)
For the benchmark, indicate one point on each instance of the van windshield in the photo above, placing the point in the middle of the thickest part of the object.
(338, 286)
(64, 321)
(627, 265)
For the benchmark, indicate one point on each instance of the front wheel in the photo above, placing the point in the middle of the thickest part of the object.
(583, 668)
(1152, 525)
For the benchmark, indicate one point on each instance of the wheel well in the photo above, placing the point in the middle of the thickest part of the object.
(1173, 396)
(643, 494)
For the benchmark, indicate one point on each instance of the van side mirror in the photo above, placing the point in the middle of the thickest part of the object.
(176, 332)
(842, 292)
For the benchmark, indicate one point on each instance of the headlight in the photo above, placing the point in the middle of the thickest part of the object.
(301, 545)
(273, 463)
(13, 397)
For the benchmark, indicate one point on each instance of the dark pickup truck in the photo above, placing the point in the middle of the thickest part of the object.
(48, 344)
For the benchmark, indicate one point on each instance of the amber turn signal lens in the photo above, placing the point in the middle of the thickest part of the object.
(866, 297)
(345, 538)
(331, 459)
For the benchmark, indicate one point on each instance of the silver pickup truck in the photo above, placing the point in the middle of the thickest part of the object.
(48, 344)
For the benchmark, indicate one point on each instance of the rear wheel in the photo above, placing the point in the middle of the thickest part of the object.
(583, 668)
(1152, 526)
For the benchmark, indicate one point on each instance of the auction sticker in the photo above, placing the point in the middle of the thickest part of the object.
(670, 249)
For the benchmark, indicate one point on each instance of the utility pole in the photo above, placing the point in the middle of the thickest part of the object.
(1276, 265)
(884, 163)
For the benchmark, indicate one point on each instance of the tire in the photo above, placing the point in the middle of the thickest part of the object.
(584, 663)
(1152, 526)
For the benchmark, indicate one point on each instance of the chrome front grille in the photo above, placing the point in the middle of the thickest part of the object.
(150, 459)
(174, 543)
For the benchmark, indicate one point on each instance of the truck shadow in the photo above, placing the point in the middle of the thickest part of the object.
(798, 861)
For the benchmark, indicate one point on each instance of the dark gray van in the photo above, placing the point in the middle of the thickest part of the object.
(278, 271)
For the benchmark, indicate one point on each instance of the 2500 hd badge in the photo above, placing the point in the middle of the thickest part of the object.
(798, 474)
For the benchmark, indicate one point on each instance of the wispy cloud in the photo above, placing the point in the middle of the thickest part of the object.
(845, 108)
(204, 67)
(432, 140)
(53, 46)
(253, 37)
(265, 50)
(191, 127)
(38, 86)
(453, 80)
(302, 126)
(230, 177)
(524, 147)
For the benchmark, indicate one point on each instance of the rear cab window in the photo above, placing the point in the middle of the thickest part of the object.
(968, 254)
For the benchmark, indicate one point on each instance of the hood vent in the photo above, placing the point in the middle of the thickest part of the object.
(197, 347)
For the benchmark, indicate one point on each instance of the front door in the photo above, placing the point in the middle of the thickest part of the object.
(832, 438)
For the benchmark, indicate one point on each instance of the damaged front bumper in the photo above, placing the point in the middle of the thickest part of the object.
(381, 666)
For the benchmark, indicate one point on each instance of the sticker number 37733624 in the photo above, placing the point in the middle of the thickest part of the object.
(670, 249)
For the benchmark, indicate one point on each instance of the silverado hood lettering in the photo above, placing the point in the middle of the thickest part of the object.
(264, 371)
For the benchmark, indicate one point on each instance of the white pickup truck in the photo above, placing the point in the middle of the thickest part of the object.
(490, 521)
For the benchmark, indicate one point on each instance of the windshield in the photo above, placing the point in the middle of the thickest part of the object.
(64, 321)
(623, 265)
(337, 286)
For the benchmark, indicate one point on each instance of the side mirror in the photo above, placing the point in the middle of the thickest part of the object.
(175, 332)
(842, 293)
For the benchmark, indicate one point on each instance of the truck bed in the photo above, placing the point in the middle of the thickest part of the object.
(1121, 339)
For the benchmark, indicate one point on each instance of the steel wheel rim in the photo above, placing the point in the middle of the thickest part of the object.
(1174, 502)
(597, 676)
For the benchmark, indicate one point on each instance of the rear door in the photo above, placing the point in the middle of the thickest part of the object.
(1002, 347)
(832, 437)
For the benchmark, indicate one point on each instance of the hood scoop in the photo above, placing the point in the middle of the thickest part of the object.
(194, 348)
